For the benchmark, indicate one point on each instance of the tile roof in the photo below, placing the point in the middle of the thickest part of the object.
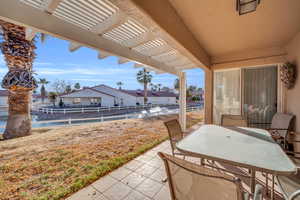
(3, 93)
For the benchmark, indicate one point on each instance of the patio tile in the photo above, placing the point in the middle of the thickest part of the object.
(120, 173)
(149, 187)
(159, 175)
(134, 195)
(164, 193)
(133, 165)
(155, 162)
(117, 191)
(143, 158)
(133, 179)
(104, 183)
(88, 193)
(146, 170)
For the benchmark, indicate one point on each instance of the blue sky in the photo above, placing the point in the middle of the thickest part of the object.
(55, 62)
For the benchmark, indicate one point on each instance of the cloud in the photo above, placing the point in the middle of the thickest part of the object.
(43, 64)
(79, 71)
(2, 62)
(88, 79)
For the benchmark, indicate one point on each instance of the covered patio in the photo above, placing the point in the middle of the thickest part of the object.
(237, 53)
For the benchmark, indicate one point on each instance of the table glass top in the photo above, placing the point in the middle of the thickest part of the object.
(238, 145)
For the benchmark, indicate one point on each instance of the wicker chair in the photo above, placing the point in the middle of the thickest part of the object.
(233, 120)
(175, 134)
(188, 181)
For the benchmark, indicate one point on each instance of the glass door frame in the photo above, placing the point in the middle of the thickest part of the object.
(280, 88)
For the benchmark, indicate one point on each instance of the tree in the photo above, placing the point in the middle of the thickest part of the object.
(120, 84)
(68, 89)
(165, 88)
(77, 86)
(19, 81)
(176, 84)
(52, 97)
(159, 86)
(59, 86)
(144, 77)
(43, 82)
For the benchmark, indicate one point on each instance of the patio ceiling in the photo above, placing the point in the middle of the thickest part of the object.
(229, 39)
(112, 27)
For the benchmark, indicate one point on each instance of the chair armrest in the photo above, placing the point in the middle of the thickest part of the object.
(258, 194)
(294, 195)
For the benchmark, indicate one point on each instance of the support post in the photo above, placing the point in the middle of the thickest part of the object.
(208, 100)
(182, 100)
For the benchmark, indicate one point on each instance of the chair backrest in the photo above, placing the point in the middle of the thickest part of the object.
(282, 121)
(233, 120)
(174, 131)
(189, 181)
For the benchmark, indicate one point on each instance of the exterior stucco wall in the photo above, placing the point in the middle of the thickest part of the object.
(128, 100)
(105, 101)
(159, 100)
(293, 95)
(3, 101)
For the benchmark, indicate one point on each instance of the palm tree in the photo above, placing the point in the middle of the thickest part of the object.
(159, 86)
(19, 56)
(119, 84)
(144, 78)
(43, 82)
(176, 84)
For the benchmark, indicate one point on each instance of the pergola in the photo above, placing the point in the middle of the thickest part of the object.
(166, 36)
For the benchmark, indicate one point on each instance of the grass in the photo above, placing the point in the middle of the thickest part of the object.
(53, 165)
(95, 172)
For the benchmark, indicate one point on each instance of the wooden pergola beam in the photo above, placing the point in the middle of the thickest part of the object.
(168, 19)
(21, 14)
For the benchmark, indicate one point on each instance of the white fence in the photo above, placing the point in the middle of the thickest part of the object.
(99, 109)
(64, 122)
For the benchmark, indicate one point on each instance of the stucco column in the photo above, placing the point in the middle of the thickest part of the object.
(182, 100)
(208, 100)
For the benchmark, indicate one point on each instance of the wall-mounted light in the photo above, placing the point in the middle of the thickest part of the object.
(246, 6)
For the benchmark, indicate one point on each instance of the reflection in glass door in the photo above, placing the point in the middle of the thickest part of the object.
(259, 95)
(226, 93)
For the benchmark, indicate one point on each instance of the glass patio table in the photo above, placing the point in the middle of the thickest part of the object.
(239, 146)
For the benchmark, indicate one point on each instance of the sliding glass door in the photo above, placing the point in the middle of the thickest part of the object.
(248, 91)
(259, 95)
(226, 93)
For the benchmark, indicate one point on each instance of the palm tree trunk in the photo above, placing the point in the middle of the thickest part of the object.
(145, 93)
(19, 120)
(19, 55)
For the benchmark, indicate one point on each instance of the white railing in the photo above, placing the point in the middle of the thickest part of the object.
(64, 122)
(99, 109)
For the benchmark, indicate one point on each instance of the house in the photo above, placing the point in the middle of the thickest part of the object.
(88, 96)
(103, 95)
(3, 98)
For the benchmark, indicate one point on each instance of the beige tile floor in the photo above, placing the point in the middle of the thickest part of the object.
(140, 179)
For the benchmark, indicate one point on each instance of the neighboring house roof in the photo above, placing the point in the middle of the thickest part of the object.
(140, 93)
(3, 93)
(86, 92)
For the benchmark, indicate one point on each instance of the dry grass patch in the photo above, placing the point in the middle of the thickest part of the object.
(55, 163)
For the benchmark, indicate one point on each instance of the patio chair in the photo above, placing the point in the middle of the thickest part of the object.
(280, 126)
(233, 120)
(175, 134)
(189, 181)
(290, 185)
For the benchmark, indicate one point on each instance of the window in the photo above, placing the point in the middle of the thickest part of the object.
(95, 100)
(76, 100)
